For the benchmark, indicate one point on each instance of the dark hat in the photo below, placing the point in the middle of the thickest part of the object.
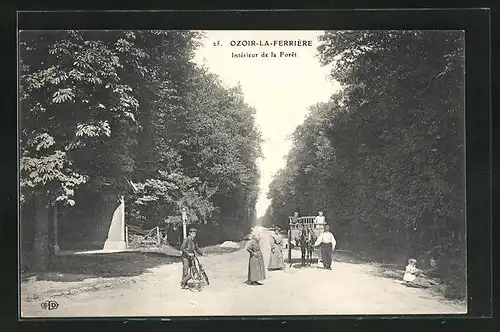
(193, 230)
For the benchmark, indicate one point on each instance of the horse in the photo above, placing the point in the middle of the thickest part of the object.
(306, 241)
(311, 239)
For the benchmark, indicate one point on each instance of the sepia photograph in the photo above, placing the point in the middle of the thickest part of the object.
(181, 173)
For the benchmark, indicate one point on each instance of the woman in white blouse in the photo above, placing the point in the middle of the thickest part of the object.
(327, 242)
(319, 221)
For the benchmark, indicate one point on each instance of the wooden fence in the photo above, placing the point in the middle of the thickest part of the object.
(151, 237)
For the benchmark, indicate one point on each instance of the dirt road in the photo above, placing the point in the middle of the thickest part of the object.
(346, 289)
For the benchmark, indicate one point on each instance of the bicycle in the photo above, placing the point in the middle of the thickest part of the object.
(198, 274)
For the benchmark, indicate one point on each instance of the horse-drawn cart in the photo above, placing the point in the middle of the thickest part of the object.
(295, 229)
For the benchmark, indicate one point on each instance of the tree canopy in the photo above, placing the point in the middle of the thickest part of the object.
(384, 157)
(100, 110)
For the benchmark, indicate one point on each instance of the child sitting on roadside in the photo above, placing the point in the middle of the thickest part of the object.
(414, 277)
(411, 271)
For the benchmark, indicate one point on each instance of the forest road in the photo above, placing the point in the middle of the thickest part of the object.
(347, 289)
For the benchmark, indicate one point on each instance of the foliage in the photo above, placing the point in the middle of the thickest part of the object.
(384, 157)
(102, 109)
(168, 194)
(203, 134)
(223, 144)
(72, 101)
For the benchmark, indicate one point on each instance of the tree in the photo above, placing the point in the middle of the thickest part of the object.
(100, 109)
(223, 147)
(164, 188)
(198, 129)
(71, 99)
(385, 155)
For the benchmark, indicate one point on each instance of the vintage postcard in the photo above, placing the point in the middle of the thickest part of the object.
(241, 173)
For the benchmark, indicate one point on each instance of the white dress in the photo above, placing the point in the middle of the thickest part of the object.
(319, 221)
(410, 273)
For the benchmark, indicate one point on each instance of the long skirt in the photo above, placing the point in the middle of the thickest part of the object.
(326, 254)
(256, 269)
(276, 261)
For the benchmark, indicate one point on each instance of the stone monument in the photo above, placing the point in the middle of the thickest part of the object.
(116, 233)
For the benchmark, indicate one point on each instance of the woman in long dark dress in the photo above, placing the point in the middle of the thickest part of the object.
(256, 269)
(276, 261)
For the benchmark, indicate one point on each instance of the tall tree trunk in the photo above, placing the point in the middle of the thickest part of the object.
(41, 247)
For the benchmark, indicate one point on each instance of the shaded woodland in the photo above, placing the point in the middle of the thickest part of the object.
(102, 109)
(384, 157)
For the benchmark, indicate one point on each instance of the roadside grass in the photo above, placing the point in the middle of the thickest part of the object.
(392, 266)
(100, 265)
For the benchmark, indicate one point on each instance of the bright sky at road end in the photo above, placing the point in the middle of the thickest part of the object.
(279, 88)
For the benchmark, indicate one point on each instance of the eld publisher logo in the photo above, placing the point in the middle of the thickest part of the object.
(49, 305)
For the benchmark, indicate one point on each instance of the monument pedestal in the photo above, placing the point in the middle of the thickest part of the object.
(115, 245)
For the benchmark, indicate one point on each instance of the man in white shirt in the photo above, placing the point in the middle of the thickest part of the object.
(327, 242)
